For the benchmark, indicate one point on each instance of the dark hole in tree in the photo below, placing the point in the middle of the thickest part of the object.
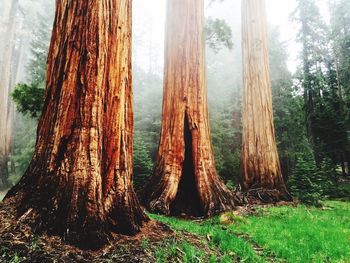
(187, 199)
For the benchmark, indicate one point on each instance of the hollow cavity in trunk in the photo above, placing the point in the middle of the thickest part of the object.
(187, 199)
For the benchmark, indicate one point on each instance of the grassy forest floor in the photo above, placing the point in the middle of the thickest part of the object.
(286, 233)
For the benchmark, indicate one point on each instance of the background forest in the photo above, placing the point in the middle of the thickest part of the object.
(309, 55)
(311, 104)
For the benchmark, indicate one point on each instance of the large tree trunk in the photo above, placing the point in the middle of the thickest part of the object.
(79, 183)
(260, 165)
(185, 179)
(6, 85)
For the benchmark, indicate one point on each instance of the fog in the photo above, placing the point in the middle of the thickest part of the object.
(224, 67)
(149, 18)
(149, 21)
(226, 141)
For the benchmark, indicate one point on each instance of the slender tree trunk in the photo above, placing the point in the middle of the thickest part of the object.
(185, 178)
(260, 165)
(347, 162)
(4, 11)
(6, 116)
(18, 76)
(342, 163)
(79, 183)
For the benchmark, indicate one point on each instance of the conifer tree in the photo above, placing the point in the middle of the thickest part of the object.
(79, 182)
(260, 165)
(185, 179)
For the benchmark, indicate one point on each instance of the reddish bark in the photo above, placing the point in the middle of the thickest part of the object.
(185, 178)
(260, 165)
(79, 183)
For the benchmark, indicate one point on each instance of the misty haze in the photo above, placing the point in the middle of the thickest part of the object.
(174, 131)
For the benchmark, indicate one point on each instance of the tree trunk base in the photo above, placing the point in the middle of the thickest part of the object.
(163, 207)
(50, 211)
(17, 237)
(265, 196)
(187, 200)
(182, 186)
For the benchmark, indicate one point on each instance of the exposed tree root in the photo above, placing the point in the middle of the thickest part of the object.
(265, 196)
(18, 238)
(190, 189)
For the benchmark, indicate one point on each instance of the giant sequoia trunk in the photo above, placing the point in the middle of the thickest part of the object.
(6, 85)
(185, 179)
(260, 165)
(79, 183)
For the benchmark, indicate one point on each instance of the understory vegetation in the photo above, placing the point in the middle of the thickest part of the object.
(311, 106)
(311, 119)
(293, 233)
(275, 234)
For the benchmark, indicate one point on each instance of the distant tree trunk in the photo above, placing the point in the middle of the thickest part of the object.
(6, 106)
(19, 64)
(185, 178)
(260, 165)
(79, 183)
(5, 10)
(347, 163)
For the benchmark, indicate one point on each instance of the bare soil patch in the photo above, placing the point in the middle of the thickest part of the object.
(19, 243)
(17, 240)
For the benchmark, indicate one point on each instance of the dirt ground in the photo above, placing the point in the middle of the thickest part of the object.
(18, 243)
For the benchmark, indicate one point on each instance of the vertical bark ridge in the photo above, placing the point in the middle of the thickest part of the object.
(260, 166)
(185, 106)
(79, 183)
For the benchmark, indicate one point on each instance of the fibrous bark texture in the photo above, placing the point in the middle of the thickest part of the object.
(185, 179)
(79, 183)
(260, 165)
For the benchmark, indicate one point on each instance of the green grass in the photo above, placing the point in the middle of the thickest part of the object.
(302, 234)
(182, 251)
(230, 246)
(279, 234)
(275, 234)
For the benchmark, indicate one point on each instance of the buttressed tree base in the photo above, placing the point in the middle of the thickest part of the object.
(185, 178)
(79, 182)
(260, 165)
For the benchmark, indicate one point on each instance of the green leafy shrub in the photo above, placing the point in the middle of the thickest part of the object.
(29, 99)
